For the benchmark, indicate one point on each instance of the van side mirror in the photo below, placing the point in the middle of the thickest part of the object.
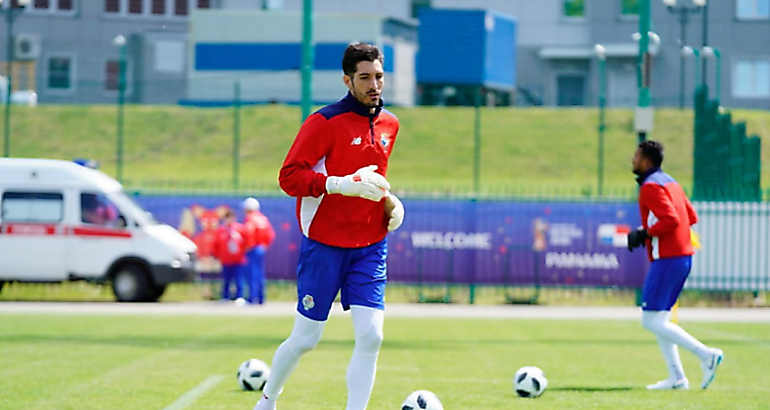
(121, 222)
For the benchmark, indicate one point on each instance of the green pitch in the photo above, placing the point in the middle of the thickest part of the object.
(61, 362)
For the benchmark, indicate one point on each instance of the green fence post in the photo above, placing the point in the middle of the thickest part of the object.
(644, 113)
(307, 58)
(602, 54)
(120, 41)
(477, 143)
(236, 132)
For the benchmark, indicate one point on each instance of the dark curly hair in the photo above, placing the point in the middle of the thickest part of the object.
(357, 52)
(652, 150)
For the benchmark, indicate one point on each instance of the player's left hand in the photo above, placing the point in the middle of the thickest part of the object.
(395, 211)
(636, 238)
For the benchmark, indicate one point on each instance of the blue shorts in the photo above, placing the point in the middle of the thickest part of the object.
(323, 271)
(664, 282)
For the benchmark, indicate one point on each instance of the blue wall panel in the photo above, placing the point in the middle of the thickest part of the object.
(500, 66)
(467, 47)
(272, 57)
(451, 47)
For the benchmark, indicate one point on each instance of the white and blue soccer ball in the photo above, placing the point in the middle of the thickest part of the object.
(252, 375)
(422, 400)
(530, 381)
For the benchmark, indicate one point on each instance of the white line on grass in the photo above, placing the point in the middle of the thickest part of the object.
(734, 336)
(198, 391)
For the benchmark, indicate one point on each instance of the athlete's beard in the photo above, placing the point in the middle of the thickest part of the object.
(365, 100)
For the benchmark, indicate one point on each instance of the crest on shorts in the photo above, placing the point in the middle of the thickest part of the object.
(308, 302)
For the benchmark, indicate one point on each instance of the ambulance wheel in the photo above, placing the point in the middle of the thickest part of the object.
(130, 284)
(155, 292)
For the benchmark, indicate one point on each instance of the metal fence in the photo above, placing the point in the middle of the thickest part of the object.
(735, 252)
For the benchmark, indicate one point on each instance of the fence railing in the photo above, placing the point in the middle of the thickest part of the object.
(526, 242)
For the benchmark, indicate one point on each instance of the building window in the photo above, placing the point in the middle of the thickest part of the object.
(204, 4)
(180, 7)
(67, 6)
(112, 6)
(59, 73)
(630, 7)
(159, 7)
(135, 6)
(751, 79)
(574, 8)
(96, 209)
(272, 4)
(40, 207)
(752, 9)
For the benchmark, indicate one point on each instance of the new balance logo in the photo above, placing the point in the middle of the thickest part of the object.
(356, 141)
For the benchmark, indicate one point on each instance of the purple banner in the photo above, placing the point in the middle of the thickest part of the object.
(460, 241)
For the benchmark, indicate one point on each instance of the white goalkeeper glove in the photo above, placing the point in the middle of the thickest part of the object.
(364, 183)
(395, 211)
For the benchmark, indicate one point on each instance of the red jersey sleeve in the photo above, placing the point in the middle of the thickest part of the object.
(297, 177)
(691, 214)
(656, 199)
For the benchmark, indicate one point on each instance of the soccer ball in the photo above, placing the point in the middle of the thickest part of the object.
(252, 374)
(529, 381)
(422, 400)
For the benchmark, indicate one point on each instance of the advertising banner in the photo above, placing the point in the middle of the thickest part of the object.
(454, 241)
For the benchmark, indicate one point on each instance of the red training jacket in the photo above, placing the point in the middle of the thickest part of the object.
(667, 215)
(230, 245)
(338, 140)
(257, 230)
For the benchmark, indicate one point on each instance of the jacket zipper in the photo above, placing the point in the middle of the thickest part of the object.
(371, 128)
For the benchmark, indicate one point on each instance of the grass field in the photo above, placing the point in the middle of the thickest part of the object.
(395, 293)
(146, 362)
(525, 147)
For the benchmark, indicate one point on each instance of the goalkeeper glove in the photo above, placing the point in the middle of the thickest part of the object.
(395, 211)
(636, 238)
(364, 183)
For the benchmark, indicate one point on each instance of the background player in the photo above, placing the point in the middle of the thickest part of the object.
(336, 169)
(259, 234)
(666, 219)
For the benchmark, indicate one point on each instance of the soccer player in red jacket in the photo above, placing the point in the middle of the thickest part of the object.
(230, 249)
(667, 216)
(336, 170)
(259, 234)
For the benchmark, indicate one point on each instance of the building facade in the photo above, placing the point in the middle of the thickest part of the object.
(258, 58)
(558, 67)
(65, 47)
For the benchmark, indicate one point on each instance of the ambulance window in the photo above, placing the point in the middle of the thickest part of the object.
(44, 207)
(98, 210)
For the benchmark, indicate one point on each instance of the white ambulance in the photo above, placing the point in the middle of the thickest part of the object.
(62, 221)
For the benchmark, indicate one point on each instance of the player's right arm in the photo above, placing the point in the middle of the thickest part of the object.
(297, 177)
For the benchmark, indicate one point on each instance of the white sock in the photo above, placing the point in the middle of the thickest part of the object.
(367, 323)
(657, 321)
(673, 362)
(305, 336)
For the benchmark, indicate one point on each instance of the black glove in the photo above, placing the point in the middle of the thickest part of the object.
(636, 238)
